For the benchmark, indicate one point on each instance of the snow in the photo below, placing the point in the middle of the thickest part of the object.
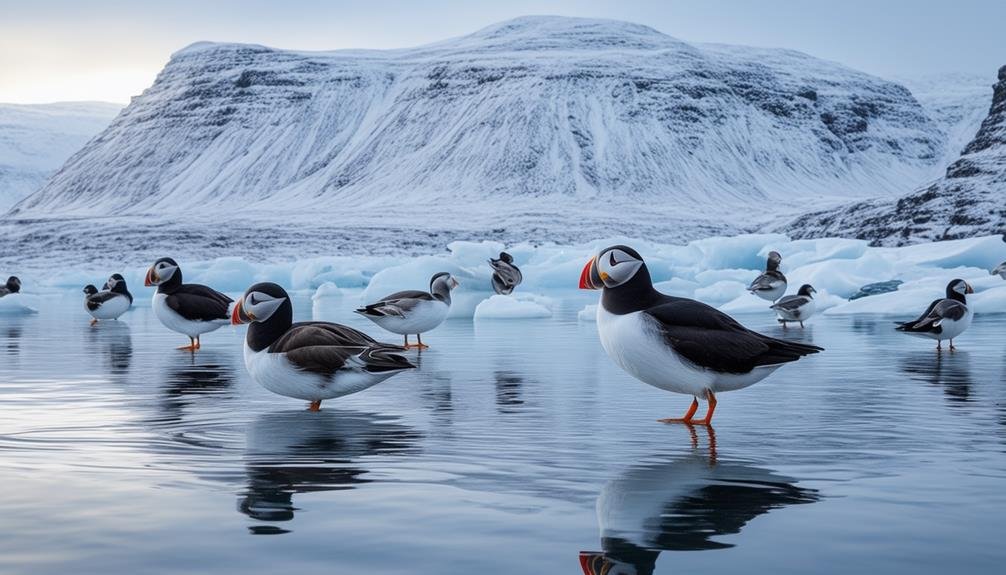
(517, 306)
(529, 130)
(713, 270)
(36, 139)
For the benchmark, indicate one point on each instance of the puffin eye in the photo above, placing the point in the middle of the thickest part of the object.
(611, 259)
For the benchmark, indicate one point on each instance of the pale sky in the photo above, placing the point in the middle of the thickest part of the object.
(57, 50)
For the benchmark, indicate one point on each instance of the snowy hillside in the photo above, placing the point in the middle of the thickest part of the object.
(541, 128)
(35, 140)
(969, 200)
(957, 103)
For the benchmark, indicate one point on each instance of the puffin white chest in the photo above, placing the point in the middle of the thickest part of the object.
(950, 329)
(175, 322)
(277, 374)
(634, 343)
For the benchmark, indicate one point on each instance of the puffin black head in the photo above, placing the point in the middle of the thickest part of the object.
(13, 284)
(260, 303)
(774, 259)
(612, 267)
(443, 282)
(506, 257)
(807, 290)
(958, 288)
(89, 289)
(116, 283)
(164, 270)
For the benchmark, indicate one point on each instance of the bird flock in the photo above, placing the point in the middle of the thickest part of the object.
(672, 343)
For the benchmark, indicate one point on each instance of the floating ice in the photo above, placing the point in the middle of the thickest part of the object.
(326, 290)
(513, 307)
(16, 304)
(588, 313)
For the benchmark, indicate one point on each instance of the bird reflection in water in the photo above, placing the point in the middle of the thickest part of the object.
(189, 377)
(951, 371)
(292, 452)
(508, 391)
(682, 504)
(113, 340)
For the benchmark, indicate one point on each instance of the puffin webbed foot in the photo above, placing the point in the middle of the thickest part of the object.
(315, 405)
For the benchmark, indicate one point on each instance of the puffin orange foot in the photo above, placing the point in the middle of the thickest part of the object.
(315, 406)
(93, 322)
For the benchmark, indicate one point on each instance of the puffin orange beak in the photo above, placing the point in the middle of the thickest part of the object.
(968, 288)
(148, 280)
(589, 278)
(236, 314)
(593, 563)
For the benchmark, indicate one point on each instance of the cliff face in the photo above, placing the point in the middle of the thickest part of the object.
(969, 200)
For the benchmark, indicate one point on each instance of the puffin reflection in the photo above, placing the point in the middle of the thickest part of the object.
(508, 391)
(115, 343)
(682, 504)
(189, 377)
(950, 371)
(289, 453)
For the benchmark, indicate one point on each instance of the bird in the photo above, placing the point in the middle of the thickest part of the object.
(312, 360)
(1000, 270)
(770, 285)
(109, 303)
(191, 309)
(506, 276)
(945, 318)
(797, 307)
(413, 311)
(12, 286)
(673, 343)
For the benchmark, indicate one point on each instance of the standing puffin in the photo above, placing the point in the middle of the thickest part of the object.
(506, 276)
(109, 303)
(770, 285)
(945, 318)
(413, 311)
(797, 307)
(311, 360)
(13, 285)
(677, 344)
(191, 309)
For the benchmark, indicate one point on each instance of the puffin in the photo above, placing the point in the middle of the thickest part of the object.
(1000, 271)
(945, 318)
(413, 311)
(312, 360)
(191, 309)
(770, 285)
(797, 307)
(506, 276)
(673, 343)
(112, 301)
(13, 285)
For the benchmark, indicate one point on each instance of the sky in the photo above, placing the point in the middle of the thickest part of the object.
(110, 50)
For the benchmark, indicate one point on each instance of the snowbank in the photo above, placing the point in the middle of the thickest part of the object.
(713, 270)
(510, 307)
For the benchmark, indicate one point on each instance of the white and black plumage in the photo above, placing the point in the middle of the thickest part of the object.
(1000, 270)
(673, 343)
(309, 360)
(506, 276)
(413, 311)
(191, 309)
(109, 303)
(770, 285)
(683, 504)
(797, 307)
(13, 285)
(945, 318)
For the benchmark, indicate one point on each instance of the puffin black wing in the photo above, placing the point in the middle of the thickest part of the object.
(911, 325)
(94, 301)
(711, 339)
(197, 302)
(396, 303)
(325, 348)
(790, 302)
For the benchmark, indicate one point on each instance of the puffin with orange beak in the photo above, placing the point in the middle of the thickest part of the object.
(190, 309)
(312, 360)
(677, 344)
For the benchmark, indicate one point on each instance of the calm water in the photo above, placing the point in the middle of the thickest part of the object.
(515, 447)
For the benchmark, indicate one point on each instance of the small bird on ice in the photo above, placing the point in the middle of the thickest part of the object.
(673, 343)
(12, 286)
(191, 309)
(413, 311)
(945, 318)
(506, 276)
(797, 307)
(770, 285)
(109, 303)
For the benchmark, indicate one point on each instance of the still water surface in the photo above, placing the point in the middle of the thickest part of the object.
(517, 447)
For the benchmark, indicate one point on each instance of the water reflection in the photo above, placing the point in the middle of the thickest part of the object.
(12, 340)
(293, 452)
(682, 504)
(190, 376)
(508, 391)
(951, 371)
(114, 342)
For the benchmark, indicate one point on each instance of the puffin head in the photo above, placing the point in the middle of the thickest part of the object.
(774, 259)
(116, 281)
(259, 303)
(163, 270)
(611, 267)
(599, 563)
(13, 284)
(807, 290)
(443, 282)
(506, 257)
(90, 290)
(959, 286)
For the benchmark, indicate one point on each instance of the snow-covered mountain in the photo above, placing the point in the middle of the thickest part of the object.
(957, 103)
(970, 200)
(35, 140)
(547, 128)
